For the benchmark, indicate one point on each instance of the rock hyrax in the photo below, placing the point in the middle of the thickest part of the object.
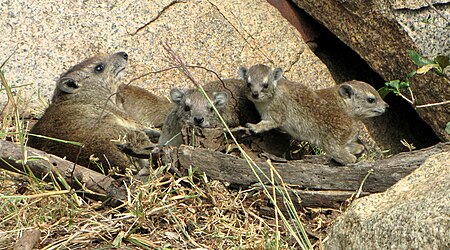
(236, 110)
(143, 106)
(357, 98)
(193, 109)
(299, 111)
(83, 109)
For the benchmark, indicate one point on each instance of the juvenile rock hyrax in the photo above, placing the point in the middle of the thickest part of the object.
(229, 98)
(193, 109)
(299, 111)
(84, 110)
(143, 106)
(357, 98)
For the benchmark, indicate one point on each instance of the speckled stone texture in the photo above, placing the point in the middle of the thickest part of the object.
(48, 37)
(381, 32)
(412, 214)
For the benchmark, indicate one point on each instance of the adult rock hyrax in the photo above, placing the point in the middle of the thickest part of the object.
(84, 110)
(143, 106)
(299, 111)
(192, 108)
(357, 98)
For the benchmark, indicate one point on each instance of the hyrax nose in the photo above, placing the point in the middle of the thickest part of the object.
(124, 55)
(198, 119)
(255, 94)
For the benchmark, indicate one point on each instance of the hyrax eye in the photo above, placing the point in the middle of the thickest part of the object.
(187, 108)
(265, 85)
(99, 68)
(370, 100)
(249, 84)
(211, 109)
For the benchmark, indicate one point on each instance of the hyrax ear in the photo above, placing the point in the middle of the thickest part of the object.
(243, 73)
(69, 85)
(277, 74)
(346, 91)
(176, 95)
(220, 99)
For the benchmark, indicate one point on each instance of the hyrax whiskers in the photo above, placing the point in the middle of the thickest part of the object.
(357, 98)
(84, 110)
(299, 111)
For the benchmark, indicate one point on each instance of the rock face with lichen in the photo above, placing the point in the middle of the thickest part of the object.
(382, 31)
(412, 214)
(46, 37)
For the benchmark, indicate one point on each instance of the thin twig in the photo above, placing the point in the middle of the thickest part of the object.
(432, 104)
(362, 183)
(437, 11)
(406, 99)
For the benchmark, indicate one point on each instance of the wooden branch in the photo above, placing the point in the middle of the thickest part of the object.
(307, 198)
(41, 164)
(305, 175)
(317, 184)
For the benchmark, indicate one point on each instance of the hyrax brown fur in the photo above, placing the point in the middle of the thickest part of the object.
(84, 110)
(299, 111)
(192, 108)
(143, 106)
(357, 98)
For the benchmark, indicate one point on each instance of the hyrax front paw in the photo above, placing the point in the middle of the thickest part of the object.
(253, 128)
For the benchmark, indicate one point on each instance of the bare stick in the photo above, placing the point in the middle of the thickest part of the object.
(433, 104)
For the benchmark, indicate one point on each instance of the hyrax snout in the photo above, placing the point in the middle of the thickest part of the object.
(83, 109)
(299, 111)
(359, 99)
(192, 109)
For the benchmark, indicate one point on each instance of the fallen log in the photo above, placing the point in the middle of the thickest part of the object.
(305, 175)
(42, 164)
(317, 185)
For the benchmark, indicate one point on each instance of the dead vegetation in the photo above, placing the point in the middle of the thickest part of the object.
(163, 211)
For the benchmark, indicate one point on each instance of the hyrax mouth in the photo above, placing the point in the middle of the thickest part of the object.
(120, 72)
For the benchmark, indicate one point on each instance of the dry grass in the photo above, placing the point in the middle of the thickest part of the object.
(164, 212)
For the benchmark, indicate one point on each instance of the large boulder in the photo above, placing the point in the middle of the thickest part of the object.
(412, 214)
(382, 32)
(49, 37)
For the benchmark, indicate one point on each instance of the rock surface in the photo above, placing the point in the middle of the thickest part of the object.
(46, 37)
(412, 214)
(381, 32)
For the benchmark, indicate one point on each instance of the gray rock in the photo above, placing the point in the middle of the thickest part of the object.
(219, 35)
(381, 32)
(412, 214)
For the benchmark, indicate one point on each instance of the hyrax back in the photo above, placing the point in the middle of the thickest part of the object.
(299, 111)
(144, 107)
(357, 98)
(84, 110)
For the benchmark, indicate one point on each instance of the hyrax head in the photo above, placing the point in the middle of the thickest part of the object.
(96, 77)
(362, 99)
(261, 81)
(194, 109)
